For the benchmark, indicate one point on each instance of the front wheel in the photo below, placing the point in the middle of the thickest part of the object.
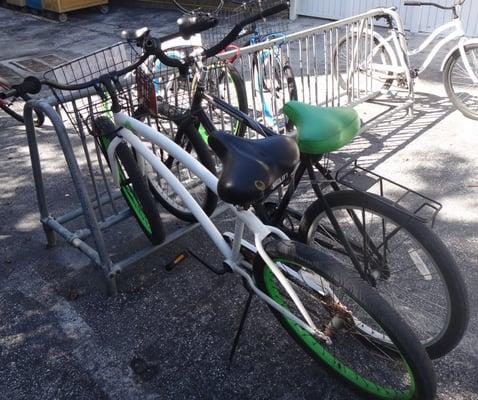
(411, 267)
(133, 185)
(340, 303)
(459, 85)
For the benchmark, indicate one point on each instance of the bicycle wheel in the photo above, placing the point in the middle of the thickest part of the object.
(460, 88)
(134, 188)
(412, 268)
(339, 302)
(226, 82)
(355, 72)
(190, 140)
(275, 85)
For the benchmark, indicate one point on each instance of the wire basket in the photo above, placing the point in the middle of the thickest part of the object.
(256, 32)
(152, 90)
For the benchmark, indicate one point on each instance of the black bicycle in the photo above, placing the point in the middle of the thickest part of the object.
(389, 246)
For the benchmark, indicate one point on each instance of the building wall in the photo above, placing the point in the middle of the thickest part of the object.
(417, 19)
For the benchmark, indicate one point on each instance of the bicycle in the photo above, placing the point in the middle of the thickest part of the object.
(380, 61)
(351, 316)
(363, 229)
(273, 81)
(13, 93)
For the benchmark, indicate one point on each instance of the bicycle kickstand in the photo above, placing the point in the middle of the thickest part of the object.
(241, 327)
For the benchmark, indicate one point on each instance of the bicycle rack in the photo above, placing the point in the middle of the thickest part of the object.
(310, 55)
(92, 207)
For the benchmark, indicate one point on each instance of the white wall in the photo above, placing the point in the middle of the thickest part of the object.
(422, 19)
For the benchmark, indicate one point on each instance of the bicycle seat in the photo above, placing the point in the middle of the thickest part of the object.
(252, 168)
(321, 130)
(134, 34)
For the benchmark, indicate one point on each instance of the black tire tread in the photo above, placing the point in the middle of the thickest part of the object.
(105, 126)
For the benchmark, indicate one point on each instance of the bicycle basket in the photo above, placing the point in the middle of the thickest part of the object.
(81, 106)
(147, 90)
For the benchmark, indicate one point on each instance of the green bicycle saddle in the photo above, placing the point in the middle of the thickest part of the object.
(321, 130)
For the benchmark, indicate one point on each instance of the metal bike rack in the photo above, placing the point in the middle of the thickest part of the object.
(99, 203)
(311, 53)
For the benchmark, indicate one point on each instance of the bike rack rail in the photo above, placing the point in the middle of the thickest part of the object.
(99, 203)
(311, 54)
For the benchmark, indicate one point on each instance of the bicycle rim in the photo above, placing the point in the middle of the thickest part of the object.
(352, 355)
(406, 274)
(463, 91)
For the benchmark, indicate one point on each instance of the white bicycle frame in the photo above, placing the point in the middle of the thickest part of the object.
(394, 41)
(132, 131)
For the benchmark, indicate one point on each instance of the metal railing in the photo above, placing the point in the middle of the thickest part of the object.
(335, 64)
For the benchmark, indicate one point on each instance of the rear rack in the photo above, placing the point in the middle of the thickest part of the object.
(356, 177)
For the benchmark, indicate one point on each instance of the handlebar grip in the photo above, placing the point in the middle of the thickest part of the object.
(153, 46)
(31, 85)
(412, 3)
(234, 33)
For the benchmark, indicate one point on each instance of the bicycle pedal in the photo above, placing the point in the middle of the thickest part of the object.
(177, 260)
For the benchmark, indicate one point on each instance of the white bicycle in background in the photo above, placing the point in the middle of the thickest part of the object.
(364, 55)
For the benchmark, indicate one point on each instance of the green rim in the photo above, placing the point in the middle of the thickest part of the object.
(129, 194)
(318, 350)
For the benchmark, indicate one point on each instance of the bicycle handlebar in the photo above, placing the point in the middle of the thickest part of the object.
(154, 45)
(30, 85)
(421, 3)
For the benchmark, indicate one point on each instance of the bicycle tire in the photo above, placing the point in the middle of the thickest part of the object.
(426, 253)
(343, 43)
(189, 139)
(274, 85)
(453, 63)
(327, 284)
(239, 87)
(134, 188)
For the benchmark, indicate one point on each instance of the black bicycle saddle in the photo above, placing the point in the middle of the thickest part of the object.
(252, 168)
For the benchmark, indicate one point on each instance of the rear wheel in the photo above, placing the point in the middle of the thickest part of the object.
(461, 89)
(340, 303)
(411, 267)
(226, 82)
(134, 188)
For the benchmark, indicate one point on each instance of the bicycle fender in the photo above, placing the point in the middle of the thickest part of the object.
(460, 46)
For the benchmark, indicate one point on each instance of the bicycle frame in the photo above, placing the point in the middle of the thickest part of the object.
(392, 41)
(132, 130)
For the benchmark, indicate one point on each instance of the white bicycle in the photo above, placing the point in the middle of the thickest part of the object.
(332, 313)
(363, 55)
